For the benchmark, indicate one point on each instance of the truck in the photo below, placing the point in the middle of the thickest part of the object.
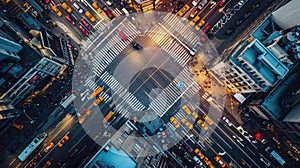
(66, 103)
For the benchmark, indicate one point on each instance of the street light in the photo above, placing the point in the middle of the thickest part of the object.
(31, 120)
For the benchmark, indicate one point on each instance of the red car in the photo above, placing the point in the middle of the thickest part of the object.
(222, 2)
(187, 147)
(259, 136)
(35, 159)
(70, 19)
(206, 28)
(82, 110)
(108, 13)
(86, 24)
(85, 32)
(122, 34)
(34, 78)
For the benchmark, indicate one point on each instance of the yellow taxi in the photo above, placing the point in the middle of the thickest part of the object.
(47, 164)
(90, 16)
(66, 7)
(81, 119)
(202, 124)
(174, 122)
(63, 141)
(194, 115)
(200, 24)
(220, 161)
(186, 109)
(207, 119)
(199, 153)
(183, 10)
(18, 125)
(187, 123)
(195, 20)
(49, 147)
(96, 7)
(99, 100)
(208, 163)
(57, 11)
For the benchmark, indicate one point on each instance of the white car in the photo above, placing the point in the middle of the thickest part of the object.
(202, 4)
(108, 3)
(265, 161)
(226, 120)
(195, 2)
(239, 140)
(80, 10)
(197, 160)
(193, 52)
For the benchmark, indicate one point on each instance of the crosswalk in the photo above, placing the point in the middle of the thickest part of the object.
(106, 54)
(164, 101)
(103, 56)
(175, 24)
(168, 44)
(100, 26)
(117, 12)
(123, 94)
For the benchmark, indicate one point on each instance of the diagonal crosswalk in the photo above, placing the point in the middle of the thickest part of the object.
(168, 44)
(173, 23)
(171, 94)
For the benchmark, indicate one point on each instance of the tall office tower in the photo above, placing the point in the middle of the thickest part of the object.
(23, 68)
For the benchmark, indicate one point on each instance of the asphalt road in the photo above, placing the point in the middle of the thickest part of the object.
(217, 139)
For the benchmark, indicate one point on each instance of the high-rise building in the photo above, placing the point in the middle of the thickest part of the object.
(9, 50)
(252, 68)
(23, 68)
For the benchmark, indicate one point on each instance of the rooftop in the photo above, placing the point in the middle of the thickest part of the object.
(110, 156)
(261, 64)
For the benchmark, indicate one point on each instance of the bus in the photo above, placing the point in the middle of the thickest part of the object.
(66, 103)
(108, 116)
(276, 156)
(32, 146)
(96, 92)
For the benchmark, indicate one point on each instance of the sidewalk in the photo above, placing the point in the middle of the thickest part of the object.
(202, 77)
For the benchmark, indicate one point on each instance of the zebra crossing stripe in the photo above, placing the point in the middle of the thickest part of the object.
(173, 89)
(133, 27)
(181, 59)
(162, 39)
(154, 30)
(100, 65)
(186, 58)
(87, 83)
(154, 106)
(117, 46)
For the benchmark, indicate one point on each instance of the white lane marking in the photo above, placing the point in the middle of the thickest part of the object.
(12, 162)
(229, 155)
(78, 141)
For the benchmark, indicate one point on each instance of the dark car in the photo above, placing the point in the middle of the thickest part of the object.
(108, 12)
(229, 30)
(187, 147)
(247, 14)
(179, 6)
(136, 46)
(239, 22)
